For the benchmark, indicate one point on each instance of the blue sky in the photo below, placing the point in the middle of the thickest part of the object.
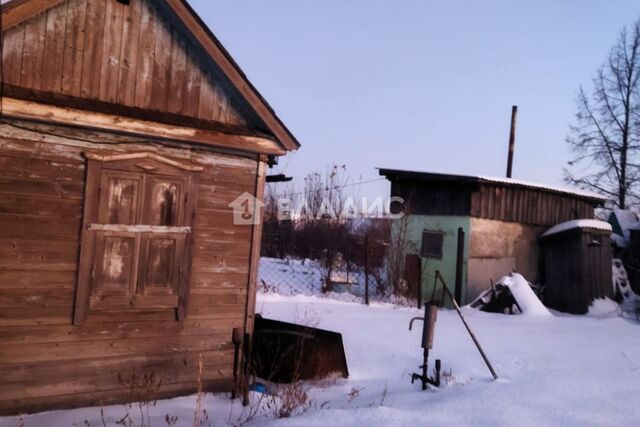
(420, 84)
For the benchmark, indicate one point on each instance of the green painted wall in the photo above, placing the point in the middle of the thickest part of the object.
(414, 225)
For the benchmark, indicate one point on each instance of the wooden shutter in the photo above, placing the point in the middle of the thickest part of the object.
(120, 197)
(165, 201)
(116, 252)
(136, 237)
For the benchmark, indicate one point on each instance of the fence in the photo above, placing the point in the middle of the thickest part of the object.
(319, 257)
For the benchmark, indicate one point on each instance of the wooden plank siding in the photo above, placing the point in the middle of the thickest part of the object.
(45, 361)
(577, 269)
(528, 205)
(436, 199)
(133, 55)
(510, 203)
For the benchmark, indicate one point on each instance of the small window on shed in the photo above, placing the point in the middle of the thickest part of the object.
(136, 235)
(432, 242)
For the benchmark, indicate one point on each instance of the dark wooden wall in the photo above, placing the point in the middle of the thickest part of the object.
(133, 56)
(528, 205)
(492, 201)
(577, 269)
(45, 361)
(434, 198)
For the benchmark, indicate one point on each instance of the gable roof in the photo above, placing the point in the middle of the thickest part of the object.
(15, 12)
(477, 180)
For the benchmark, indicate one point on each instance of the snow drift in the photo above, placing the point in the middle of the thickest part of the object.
(509, 291)
(524, 296)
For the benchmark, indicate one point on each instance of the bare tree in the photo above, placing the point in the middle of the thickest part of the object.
(606, 134)
(325, 194)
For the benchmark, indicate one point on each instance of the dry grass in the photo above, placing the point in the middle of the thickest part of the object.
(354, 393)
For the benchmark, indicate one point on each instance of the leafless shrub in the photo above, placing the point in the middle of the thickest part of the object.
(354, 393)
(291, 399)
(383, 396)
(309, 317)
(287, 401)
(253, 410)
(265, 288)
(141, 389)
(446, 377)
(200, 415)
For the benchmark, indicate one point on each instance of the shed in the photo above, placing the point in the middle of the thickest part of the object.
(577, 265)
(501, 218)
(127, 132)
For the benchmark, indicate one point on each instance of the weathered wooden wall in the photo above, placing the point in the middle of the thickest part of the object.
(528, 205)
(434, 198)
(577, 269)
(511, 203)
(130, 55)
(44, 360)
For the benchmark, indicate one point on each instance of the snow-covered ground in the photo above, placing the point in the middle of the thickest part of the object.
(554, 370)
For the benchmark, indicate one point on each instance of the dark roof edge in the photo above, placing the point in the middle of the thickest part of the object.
(391, 174)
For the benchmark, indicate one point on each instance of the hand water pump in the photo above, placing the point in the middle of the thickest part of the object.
(428, 328)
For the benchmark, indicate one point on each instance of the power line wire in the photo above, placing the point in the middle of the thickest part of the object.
(338, 187)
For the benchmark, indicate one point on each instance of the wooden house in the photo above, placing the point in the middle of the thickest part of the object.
(126, 134)
(501, 221)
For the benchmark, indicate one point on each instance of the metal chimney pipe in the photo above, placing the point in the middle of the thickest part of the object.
(512, 140)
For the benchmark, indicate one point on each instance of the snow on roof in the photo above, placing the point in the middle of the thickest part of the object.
(628, 221)
(623, 221)
(496, 180)
(556, 189)
(579, 223)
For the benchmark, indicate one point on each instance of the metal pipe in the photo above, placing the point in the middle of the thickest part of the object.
(366, 269)
(512, 140)
(473, 337)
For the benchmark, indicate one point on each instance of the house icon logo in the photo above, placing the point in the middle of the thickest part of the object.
(246, 210)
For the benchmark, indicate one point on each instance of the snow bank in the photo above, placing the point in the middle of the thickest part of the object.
(523, 294)
(547, 369)
(604, 307)
(579, 223)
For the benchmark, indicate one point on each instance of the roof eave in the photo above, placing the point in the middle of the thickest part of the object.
(392, 174)
(15, 12)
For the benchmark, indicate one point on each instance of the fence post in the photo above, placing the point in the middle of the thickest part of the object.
(366, 269)
(419, 284)
(459, 266)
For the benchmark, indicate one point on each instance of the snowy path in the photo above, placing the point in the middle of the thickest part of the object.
(563, 370)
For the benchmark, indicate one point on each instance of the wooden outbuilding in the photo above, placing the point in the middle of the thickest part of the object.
(127, 136)
(578, 259)
(497, 221)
